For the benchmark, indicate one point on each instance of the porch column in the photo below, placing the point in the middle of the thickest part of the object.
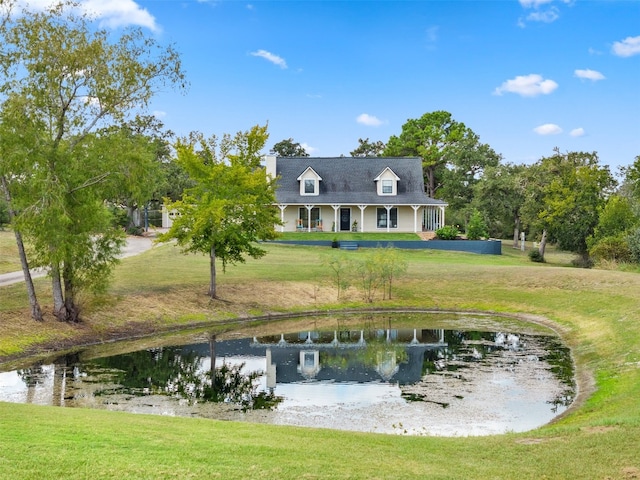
(335, 217)
(362, 207)
(441, 217)
(308, 207)
(388, 207)
(415, 217)
(282, 209)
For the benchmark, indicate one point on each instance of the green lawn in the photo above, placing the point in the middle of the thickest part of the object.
(596, 312)
(9, 261)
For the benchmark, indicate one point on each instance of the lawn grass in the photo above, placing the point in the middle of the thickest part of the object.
(9, 260)
(596, 312)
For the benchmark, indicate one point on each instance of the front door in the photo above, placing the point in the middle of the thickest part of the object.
(345, 219)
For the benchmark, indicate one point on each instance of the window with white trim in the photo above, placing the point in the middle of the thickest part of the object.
(383, 218)
(303, 217)
(387, 187)
(310, 186)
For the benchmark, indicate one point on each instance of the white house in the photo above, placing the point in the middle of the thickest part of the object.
(378, 194)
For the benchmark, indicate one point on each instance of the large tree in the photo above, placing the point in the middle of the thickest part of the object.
(433, 138)
(76, 81)
(289, 148)
(467, 161)
(232, 204)
(570, 190)
(499, 195)
(17, 136)
(141, 149)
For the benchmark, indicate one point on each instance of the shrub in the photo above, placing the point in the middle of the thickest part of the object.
(633, 242)
(448, 232)
(614, 248)
(477, 227)
(536, 256)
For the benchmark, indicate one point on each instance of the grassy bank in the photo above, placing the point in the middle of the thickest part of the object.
(595, 310)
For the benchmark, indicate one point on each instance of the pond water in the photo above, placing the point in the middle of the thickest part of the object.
(400, 380)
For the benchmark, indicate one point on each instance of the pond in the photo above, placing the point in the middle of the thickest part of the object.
(386, 374)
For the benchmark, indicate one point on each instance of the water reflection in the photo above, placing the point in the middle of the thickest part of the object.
(407, 381)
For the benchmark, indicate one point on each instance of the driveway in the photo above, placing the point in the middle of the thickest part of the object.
(134, 246)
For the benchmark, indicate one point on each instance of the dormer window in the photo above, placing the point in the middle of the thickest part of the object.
(309, 186)
(387, 182)
(309, 182)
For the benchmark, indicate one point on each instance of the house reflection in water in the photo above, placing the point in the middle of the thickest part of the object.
(361, 356)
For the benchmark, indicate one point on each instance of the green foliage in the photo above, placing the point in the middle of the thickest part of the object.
(4, 213)
(69, 89)
(633, 241)
(370, 270)
(632, 179)
(535, 256)
(500, 195)
(477, 228)
(340, 266)
(570, 192)
(289, 148)
(367, 148)
(615, 219)
(230, 207)
(431, 137)
(447, 232)
(613, 248)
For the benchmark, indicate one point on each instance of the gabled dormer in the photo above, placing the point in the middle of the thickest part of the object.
(387, 183)
(309, 182)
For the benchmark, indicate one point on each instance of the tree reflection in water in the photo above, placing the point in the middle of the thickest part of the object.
(173, 372)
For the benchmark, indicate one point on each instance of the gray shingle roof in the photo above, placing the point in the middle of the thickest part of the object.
(350, 180)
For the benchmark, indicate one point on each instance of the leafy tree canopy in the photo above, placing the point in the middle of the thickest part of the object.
(289, 148)
(434, 138)
(576, 189)
(231, 205)
(72, 87)
(367, 148)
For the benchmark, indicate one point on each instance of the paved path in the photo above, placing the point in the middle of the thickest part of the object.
(134, 246)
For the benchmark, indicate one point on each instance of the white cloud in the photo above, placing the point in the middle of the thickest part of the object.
(271, 57)
(308, 148)
(527, 85)
(108, 13)
(159, 114)
(369, 120)
(540, 11)
(120, 13)
(577, 132)
(628, 47)
(548, 129)
(544, 16)
(588, 74)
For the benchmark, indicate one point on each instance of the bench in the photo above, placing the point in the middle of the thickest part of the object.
(348, 246)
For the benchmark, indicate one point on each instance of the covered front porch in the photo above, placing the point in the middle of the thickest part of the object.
(361, 218)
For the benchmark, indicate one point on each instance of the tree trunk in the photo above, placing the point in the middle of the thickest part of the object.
(59, 308)
(543, 243)
(516, 232)
(72, 311)
(431, 182)
(212, 266)
(36, 311)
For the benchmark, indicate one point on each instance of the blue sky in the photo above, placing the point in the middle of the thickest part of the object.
(526, 76)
